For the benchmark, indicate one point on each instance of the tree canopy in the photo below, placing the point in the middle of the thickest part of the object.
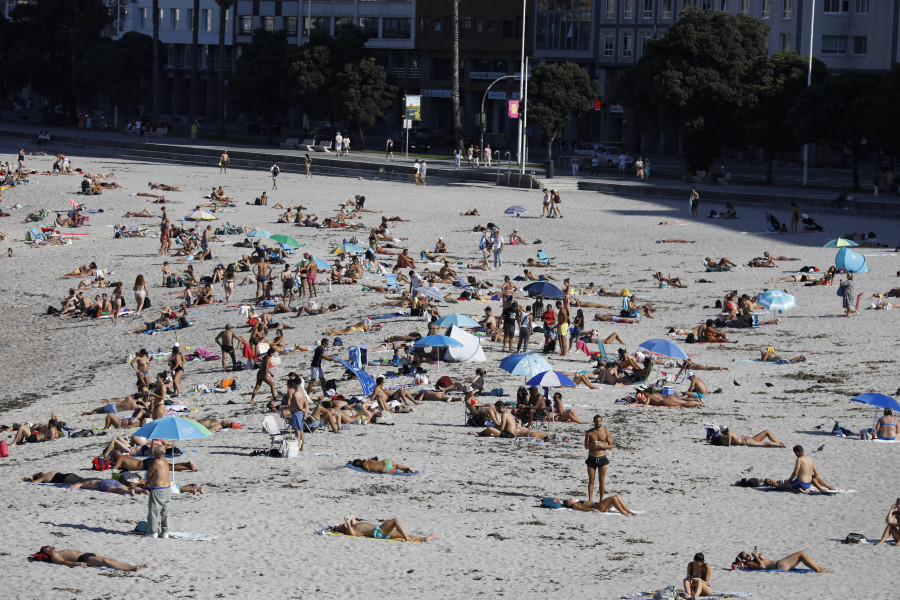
(365, 92)
(259, 75)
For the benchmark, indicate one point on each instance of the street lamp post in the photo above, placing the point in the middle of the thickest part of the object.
(812, 25)
(522, 90)
(483, 98)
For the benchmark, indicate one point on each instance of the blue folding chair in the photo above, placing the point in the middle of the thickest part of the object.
(632, 313)
(390, 280)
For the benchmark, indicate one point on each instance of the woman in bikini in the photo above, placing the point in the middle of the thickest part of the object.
(893, 524)
(228, 283)
(605, 505)
(263, 376)
(176, 368)
(140, 293)
(118, 302)
(696, 583)
(757, 562)
(373, 465)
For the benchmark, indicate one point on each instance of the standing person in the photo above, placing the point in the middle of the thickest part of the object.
(795, 216)
(639, 168)
(526, 324)
(338, 143)
(546, 208)
(224, 161)
(176, 368)
(262, 270)
(275, 171)
(141, 365)
(416, 170)
(118, 302)
(477, 156)
(315, 368)
(263, 375)
(312, 271)
(623, 161)
(510, 318)
(195, 129)
(21, 159)
(204, 238)
(578, 327)
(228, 282)
(694, 201)
(497, 241)
(555, 201)
(646, 169)
(287, 287)
(488, 155)
(160, 486)
(696, 583)
(456, 157)
(389, 149)
(308, 162)
(298, 405)
(470, 152)
(140, 294)
(597, 441)
(562, 326)
(225, 340)
(345, 146)
(485, 245)
(423, 170)
(846, 290)
(595, 165)
(507, 289)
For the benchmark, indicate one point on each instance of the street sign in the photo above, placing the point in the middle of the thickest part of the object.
(407, 123)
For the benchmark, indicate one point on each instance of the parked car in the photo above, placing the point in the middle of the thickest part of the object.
(608, 154)
(260, 127)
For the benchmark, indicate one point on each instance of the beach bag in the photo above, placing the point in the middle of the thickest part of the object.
(289, 449)
(749, 482)
(4, 449)
(691, 339)
(840, 290)
(551, 503)
(855, 538)
(101, 464)
(147, 303)
(444, 381)
(421, 379)
(666, 594)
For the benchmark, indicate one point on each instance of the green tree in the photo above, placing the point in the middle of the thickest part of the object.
(696, 78)
(366, 92)
(881, 120)
(779, 84)
(314, 69)
(556, 92)
(835, 111)
(259, 74)
(129, 58)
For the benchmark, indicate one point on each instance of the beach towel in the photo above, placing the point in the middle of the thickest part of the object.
(352, 468)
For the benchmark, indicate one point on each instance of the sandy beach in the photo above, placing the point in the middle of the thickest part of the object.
(481, 496)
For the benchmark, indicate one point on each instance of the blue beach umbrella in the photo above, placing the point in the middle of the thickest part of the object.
(545, 289)
(776, 300)
(515, 210)
(366, 381)
(437, 341)
(430, 292)
(525, 364)
(551, 379)
(877, 400)
(664, 348)
(458, 320)
(259, 233)
(173, 428)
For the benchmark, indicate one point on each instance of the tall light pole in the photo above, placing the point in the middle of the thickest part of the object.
(812, 26)
(522, 92)
(525, 119)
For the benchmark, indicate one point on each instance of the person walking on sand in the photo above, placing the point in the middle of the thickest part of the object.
(298, 405)
(263, 375)
(275, 171)
(416, 170)
(846, 290)
(597, 441)
(694, 201)
(77, 558)
(224, 161)
(160, 486)
(225, 340)
(497, 241)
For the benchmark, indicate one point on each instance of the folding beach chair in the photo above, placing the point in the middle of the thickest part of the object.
(33, 235)
(390, 280)
(632, 313)
(283, 441)
(715, 269)
(542, 256)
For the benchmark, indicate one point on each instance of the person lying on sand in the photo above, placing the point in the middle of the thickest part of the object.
(77, 558)
(606, 505)
(768, 355)
(33, 434)
(472, 212)
(723, 262)
(364, 325)
(763, 439)
(383, 396)
(690, 365)
(54, 477)
(532, 263)
(760, 262)
(653, 399)
(124, 462)
(115, 405)
(770, 256)
(586, 304)
(391, 529)
(144, 213)
(82, 271)
(109, 486)
(755, 561)
(373, 465)
(164, 187)
(675, 241)
(797, 277)
(672, 223)
(672, 281)
(529, 276)
(216, 425)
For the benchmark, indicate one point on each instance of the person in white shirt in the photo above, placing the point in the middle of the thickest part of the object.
(498, 249)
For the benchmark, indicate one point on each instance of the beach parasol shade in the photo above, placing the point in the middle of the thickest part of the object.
(544, 288)
(285, 240)
(458, 320)
(840, 243)
(437, 341)
(430, 292)
(348, 249)
(200, 215)
(515, 210)
(173, 428)
(776, 300)
(526, 364)
(879, 400)
(664, 348)
(551, 379)
(259, 233)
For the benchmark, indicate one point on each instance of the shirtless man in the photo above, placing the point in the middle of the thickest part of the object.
(805, 474)
(433, 396)
(298, 405)
(263, 271)
(391, 529)
(39, 433)
(226, 343)
(263, 375)
(646, 399)
(769, 355)
(529, 276)
(508, 427)
(381, 395)
(697, 389)
(723, 262)
(141, 365)
(215, 425)
(77, 558)
(116, 405)
(125, 462)
(159, 484)
(597, 441)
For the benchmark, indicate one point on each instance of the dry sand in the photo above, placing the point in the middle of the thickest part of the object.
(480, 496)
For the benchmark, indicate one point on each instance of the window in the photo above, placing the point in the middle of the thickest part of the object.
(290, 25)
(479, 26)
(765, 9)
(706, 5)
(723, 5)
(489, 64)
(564, 28)
(493, 25)
(862, 7)
(206, 23)
(860, 45)
(834, 44)
(246, 25)
(609, 45)
(666, 9)
(745, 7)
(628, 45)
(342, 24)
(610, 9)
(395, 28)
(424, 25)
(629, 9)
(324, 24)
(189, 20)
(465, 25)
(162, 18)
(143, 18)
(837, 7)
(369, 25)
(647, 13)
(174, 18)
(441, 69)
(438, 25)
(268, 23)
(785, 42)
(509, 24)
(788, 11)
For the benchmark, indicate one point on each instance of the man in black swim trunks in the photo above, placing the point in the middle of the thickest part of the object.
(77, 558)
(225, 339)
(597, 441)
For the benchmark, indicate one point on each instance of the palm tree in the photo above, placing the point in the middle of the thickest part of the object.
(195, 64)
(155, 79)
(457, 114)
(224, 5)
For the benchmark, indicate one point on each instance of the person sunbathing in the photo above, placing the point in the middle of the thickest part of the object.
(53, 477)
(707, 333)
(645, 310)
(39, 433)
(373, 465)
(77, 558)
(754, 561)
(760, 262)
(722, 263)
(574, 301)
(893, 524)
(391, 529)
(81, 271)
(508, 427)
(529, 276)
(115, 405)
(109, 486)
(562, 414)
(769, 355)
(797, 277)
(536, 263)
(515, 238)
(606, 505)
(435, 396)
(772, 257)
(675, 241)
(672, 281)
(763, 439)
(615, 319)
(672, 223)
(116, 422)
(690, 365)
(144, 213)
(653, 399)
(125, 462)
(472, 212)
(164, 187)
(482, 266)
(215, 425)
